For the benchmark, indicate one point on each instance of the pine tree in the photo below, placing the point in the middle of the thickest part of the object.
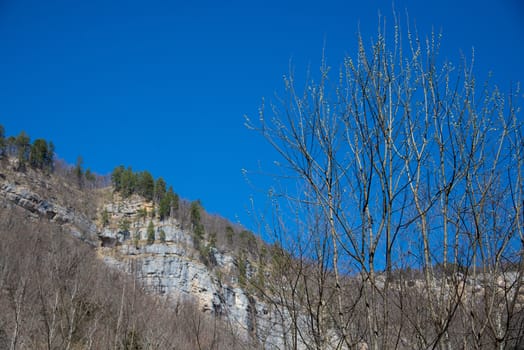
(162, 236)
(128, 182)
(116, 178)
(146, 185)
(242, 269)
(164, 207)
(198, 228)
(10, 146)
(79, 172)
(38, 156)
(23, 147)
(50, 157)
(173, 201)
(160, 190)
(150, 233)
(195, 214)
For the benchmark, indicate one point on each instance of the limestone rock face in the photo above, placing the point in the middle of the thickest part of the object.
(168, 269)
(173, 268)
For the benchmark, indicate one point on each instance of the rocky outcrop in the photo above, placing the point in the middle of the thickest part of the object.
(165, 269)
(23, 196)
(173, 268)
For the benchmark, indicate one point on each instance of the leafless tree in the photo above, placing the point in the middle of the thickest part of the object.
(401, 162)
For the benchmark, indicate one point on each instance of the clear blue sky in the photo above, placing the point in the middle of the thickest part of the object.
(164, 85)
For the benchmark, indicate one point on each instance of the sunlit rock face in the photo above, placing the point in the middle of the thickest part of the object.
(171, 268)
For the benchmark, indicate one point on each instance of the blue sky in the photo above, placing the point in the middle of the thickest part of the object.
(164, 85)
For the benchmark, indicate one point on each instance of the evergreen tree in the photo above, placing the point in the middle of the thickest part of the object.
(150, 233)
(50, 157)
(116, 178)
(23, 147)
(195, 214)
(79, 172)
(38, 155)
(164, 207)
(146, 185)
(90, 177)
(198, 228)
(128, 182)
(10, 146)
(242, 269)
(41, 155)
(162, 236)
(173, 201)
(160, 190)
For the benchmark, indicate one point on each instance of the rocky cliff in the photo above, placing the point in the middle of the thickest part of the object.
(38, 195)
(169, 266)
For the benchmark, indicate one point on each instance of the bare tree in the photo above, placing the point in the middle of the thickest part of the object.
(402, 162)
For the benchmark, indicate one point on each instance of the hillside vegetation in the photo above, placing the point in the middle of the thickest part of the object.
(56, 292)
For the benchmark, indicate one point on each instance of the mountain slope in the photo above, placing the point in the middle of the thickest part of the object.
(55, 292)
(89, 267)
